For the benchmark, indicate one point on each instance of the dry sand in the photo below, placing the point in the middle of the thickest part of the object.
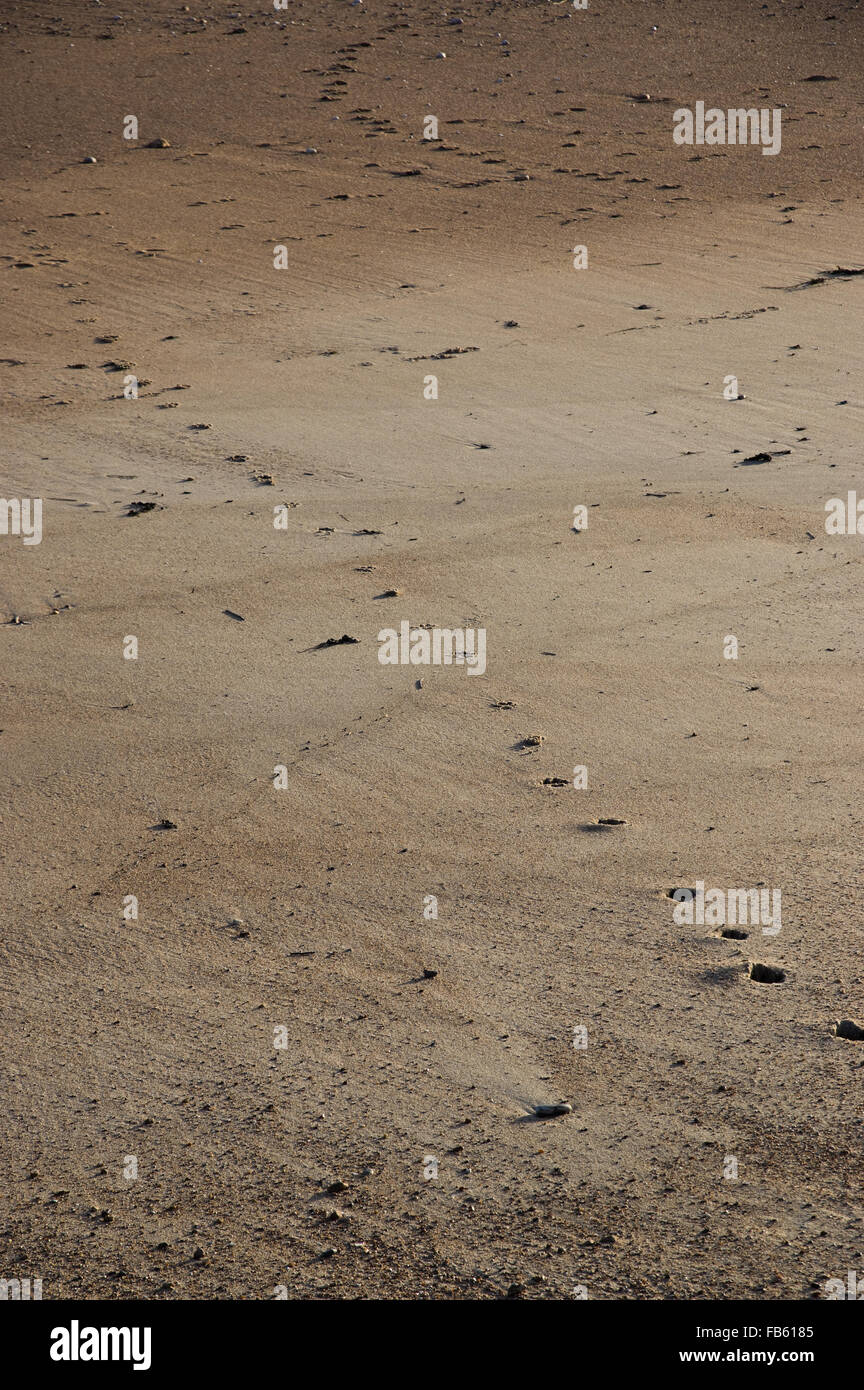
(301, 907)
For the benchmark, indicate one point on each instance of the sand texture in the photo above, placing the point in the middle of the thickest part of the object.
(381, 914)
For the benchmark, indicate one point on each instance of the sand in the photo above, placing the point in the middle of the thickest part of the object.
(307, 834)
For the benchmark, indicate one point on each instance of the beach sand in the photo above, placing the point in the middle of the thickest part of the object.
(269, 1027)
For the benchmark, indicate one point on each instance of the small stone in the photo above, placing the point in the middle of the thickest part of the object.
(158, 144)
(547, 1112)
(338, 1186)
(849, 1029)
(90, 159)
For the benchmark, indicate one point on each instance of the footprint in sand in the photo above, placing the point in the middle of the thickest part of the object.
(766, 974)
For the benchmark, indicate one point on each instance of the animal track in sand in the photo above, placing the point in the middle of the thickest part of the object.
(766, 974)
